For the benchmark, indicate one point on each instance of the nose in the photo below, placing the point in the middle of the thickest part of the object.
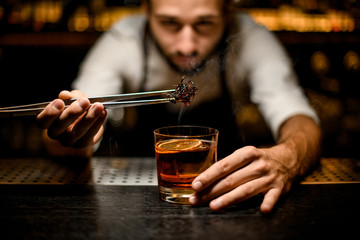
(186, 44)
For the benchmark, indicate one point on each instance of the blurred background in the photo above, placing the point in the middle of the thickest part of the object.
(43, 42)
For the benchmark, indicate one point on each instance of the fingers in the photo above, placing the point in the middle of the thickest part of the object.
(241, 193)
(225, 167)
(82, 131)
(244, 192)
(242, 175)
(78, 126)
(270, 199)
(68, 95)
(73, 94)
(88, 127)
(50, 113)
(55, 109)
(67, 117)
(232, 181)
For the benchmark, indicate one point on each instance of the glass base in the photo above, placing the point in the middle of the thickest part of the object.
(178, 196)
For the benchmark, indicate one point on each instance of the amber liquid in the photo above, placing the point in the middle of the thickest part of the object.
(177, 169)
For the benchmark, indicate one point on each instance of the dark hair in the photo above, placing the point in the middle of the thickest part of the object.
(226, 7)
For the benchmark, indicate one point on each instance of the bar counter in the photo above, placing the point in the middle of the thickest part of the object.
(117, 198)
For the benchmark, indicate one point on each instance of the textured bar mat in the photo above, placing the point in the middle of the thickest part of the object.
(137, 171)
(335, 170)
(105, 171)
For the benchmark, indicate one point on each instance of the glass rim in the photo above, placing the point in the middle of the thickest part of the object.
(214, 131)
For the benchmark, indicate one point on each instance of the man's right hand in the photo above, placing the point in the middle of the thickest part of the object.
(72, 131)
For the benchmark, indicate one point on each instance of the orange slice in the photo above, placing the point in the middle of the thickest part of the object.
(179, 144)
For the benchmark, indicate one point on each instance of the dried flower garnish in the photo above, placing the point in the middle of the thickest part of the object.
(184, 92)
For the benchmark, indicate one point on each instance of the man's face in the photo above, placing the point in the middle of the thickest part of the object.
(187, 31)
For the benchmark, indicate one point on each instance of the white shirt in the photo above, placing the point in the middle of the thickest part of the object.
(256, 64)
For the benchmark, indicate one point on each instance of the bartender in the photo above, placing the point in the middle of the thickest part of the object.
(231, 59)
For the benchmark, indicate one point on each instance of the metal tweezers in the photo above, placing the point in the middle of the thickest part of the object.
(109, 102)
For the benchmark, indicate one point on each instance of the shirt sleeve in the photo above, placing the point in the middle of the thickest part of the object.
(97, 74)
(273, 82)
(115, 57)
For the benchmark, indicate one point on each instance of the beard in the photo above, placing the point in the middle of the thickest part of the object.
(192, 68)
(195, 67)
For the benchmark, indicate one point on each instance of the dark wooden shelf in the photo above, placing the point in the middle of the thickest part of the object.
(319, 37)
(49, 39)
(86, 39)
